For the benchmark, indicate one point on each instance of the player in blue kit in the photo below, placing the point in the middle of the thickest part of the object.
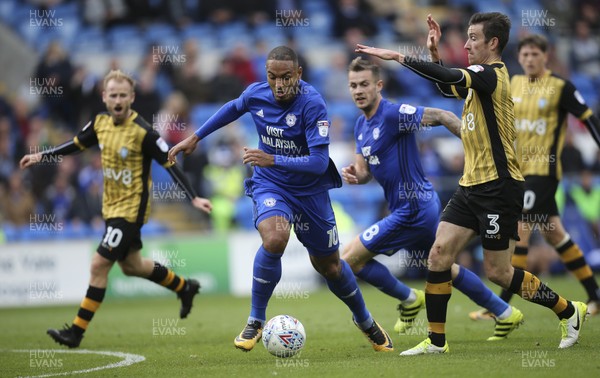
(386, 149)
(290, 183)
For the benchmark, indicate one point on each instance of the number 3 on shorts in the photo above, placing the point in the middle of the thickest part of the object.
(494, 224)
(113, 237)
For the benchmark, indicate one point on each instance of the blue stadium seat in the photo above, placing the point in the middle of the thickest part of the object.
(154, 228)
(89, 39)
(159, 33)
(127, 39)
(11, 233)
(244, 213)
(7, 10)
(201, 113)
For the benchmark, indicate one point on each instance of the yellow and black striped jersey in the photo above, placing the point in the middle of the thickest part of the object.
(541, 108)
(127, 151)
(488, 130)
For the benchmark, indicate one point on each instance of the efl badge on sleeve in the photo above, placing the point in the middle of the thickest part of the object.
(323, 128)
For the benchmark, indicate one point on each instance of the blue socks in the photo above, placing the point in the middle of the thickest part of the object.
(379, 276)
(347, 290)
(265, 276)
(472, 286)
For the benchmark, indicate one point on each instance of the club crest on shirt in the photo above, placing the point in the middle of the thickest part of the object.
(124, 152)
(270, 202)
(376, 133)
(323, 127)
(542, 103)
(290, 119)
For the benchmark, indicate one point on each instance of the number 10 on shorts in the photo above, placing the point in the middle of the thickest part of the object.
(113, 237)
(333, 237)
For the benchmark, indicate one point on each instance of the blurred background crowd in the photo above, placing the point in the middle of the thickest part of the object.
(191, 56)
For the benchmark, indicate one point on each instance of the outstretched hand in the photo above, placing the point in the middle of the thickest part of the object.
(202, 204)
(349, 174)
(433, 38)
(188, 145)
(384, 54)
(29, 160)
(258, 158)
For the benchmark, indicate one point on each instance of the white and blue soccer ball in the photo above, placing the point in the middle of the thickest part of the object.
(284, 336)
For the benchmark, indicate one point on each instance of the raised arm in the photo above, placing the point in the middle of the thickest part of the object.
(223, 117)
(433, 38)
(84, 139)
(439, 117)
(431, 71)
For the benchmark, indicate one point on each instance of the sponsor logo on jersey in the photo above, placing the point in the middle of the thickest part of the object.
(270, 202)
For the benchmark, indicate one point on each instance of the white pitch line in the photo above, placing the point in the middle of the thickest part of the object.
(128, 359)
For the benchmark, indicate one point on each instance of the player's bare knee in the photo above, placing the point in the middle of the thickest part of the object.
(129, 270)
(330, 271)
(275, 242)
(439, 258)
(355, 263)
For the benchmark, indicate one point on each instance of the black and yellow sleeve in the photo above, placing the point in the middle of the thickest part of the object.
(572, 102)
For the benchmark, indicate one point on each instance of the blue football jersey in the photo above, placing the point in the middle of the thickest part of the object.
(289, 129)
(388, 144)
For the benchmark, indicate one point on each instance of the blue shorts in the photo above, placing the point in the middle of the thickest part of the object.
(412, 230)
(311, 216)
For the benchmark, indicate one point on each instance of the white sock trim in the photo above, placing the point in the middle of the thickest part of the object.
(505, 314)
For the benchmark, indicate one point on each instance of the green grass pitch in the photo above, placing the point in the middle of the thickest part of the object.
(202, 345)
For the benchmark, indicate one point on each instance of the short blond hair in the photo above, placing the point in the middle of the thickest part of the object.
(118, 75)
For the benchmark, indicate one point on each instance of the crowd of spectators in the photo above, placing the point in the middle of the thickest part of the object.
(169, 91)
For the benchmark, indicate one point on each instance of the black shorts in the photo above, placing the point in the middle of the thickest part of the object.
(492, 210)
(120, 238)
(539, 198)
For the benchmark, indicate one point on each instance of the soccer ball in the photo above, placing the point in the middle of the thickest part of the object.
(284, 336)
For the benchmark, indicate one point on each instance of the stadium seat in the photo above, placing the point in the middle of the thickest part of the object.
(244, 213)
(160, 33)
(7, 11)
